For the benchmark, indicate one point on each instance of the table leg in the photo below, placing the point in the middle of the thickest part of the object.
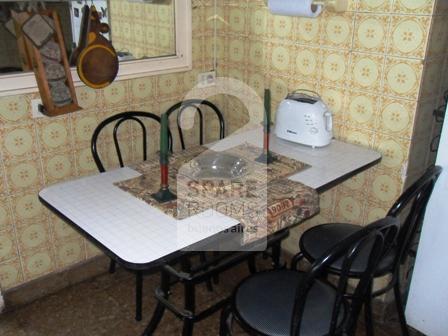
(160, 308)
(138, 295)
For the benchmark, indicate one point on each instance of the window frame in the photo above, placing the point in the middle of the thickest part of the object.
(20, 83)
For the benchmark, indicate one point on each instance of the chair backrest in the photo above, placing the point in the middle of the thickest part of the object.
(412, 203)
(373, 242)
(196, 104)
(119, 119)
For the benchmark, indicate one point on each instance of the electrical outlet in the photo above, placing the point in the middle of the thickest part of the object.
(206, 79)
(35, 108)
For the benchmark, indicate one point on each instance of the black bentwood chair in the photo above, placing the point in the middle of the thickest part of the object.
(118, 120)
(200, 107)
(410, 209)
(291, 303)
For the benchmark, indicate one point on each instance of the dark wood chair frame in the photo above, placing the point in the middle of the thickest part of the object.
(416, 197)
(377, 239)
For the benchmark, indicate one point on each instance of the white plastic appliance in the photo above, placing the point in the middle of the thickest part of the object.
(304, 119)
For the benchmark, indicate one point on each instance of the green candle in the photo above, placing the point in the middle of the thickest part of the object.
(267, 110)
(164, 139)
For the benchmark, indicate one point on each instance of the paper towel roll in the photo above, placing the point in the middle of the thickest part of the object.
(294, 8)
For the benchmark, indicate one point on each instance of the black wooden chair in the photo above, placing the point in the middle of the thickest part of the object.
(289, 302)
(410, 209)
(118, 120)
(200, 107)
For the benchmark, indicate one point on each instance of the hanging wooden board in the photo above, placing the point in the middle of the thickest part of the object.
(52, 70)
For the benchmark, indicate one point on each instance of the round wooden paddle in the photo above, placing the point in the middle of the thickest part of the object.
(98, 62)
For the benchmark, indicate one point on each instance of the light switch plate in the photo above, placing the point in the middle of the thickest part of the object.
(35, 108)
(206, 79)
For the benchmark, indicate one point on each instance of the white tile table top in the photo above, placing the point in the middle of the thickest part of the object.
(328, 164)
(140, 234)
(131, 229)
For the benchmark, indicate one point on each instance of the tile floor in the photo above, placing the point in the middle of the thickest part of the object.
(104, 306)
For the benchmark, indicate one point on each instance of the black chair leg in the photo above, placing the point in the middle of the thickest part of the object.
(225, 323)
(138, 295)
(112, 266)
(368, 312)
(295, 260)
(252, 265)
(400, 310)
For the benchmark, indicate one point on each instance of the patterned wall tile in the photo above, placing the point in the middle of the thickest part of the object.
(58, 167)
(409, 35)
(69, 252)
(309, 31)
(27, 208)
(402, 77)
(397, 117)
(38, 263)
(335, 67)
(394, 152)
(362, 110)
(18, 141)
(308, 62)
(337, 30)
(414, 6)
(23, 175)
(33, 237)
(54, 134)
(366, 72)
(371, 32)
(83, 125)
(14, 108)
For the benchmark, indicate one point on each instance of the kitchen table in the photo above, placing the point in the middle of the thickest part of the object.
(142, 237)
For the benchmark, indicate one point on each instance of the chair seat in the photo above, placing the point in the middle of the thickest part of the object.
(265, 302)
(319, 239)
